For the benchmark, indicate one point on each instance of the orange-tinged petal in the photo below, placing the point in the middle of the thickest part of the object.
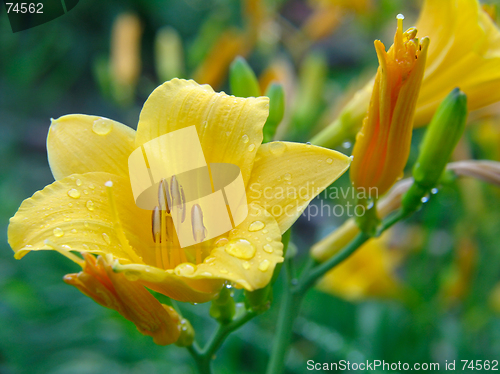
(78, 144)
(229, 128)
(113, 290)
(287, 176)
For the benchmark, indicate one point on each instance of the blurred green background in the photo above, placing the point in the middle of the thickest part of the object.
(449, 311)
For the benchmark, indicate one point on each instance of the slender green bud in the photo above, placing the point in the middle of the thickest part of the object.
(276, 95)
(442, 135)
(223, 308)
(242, 79)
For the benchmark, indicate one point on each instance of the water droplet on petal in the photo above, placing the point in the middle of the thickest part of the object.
(91, 186)
(264, 265)
(223, 271)
(256, 226)
(74, 231)
(78, 182)
(246, 265)
(277, 148)
(58, 232)
(106, 238)
(241, 248)
(265, 231)
(268, 248)
(221, 242)
(269, 239)
(102, 126)
(329, 161)
(90, 205)
(251, 147)
(75, 194)
(185, 269)
(245, 138)
(287, 177)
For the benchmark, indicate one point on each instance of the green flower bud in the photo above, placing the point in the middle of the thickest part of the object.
(223, 308)
(242, 79)
(186, 337)
(444, 132)
(276, 95)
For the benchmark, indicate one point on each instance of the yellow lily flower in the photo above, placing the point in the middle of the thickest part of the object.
(90, 207)
(98, 281)
(383, 144)
(464, 53)
(369, 272)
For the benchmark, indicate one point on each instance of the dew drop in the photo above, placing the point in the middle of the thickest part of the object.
(264, 265)
(85, 192)
(251, 147)
(245, 138)
(223, 271)
(256, 226)
(265, 231)
(240, 248)
(346, 145)
(91, 186)
(269, 239)
(78, 182)
(246, 265)
(308, 144)
(106, 238)
(434, 191)
(58, 232)
(287, 177)
(102, 126)
(277, 148)
(221, 242)
(90, 205)
(424, 199)
(75, 194)
(185, 269)
(329, 161)
(268, 248)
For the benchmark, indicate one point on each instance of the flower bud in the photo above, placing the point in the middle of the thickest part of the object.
(383, 144)
(242, 79)
(276, 96)
(443, 134)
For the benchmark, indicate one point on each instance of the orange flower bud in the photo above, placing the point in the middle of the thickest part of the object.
(383, 143)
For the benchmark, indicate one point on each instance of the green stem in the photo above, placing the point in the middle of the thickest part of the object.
(294, 294)
(203, 357)
(289, 310)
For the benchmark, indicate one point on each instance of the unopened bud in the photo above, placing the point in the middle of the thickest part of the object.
(276, 95)
(242, 79)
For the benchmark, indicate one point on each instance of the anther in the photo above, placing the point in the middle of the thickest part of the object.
(156, 224)
(199, 230)
(164, 196)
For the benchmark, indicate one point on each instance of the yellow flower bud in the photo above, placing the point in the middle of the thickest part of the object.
(383, 143)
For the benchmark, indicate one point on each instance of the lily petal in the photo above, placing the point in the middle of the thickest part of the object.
(113, 290)
(287, 176)
(75, 213)
(78, 144)
(229, 128)
(248, 256)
